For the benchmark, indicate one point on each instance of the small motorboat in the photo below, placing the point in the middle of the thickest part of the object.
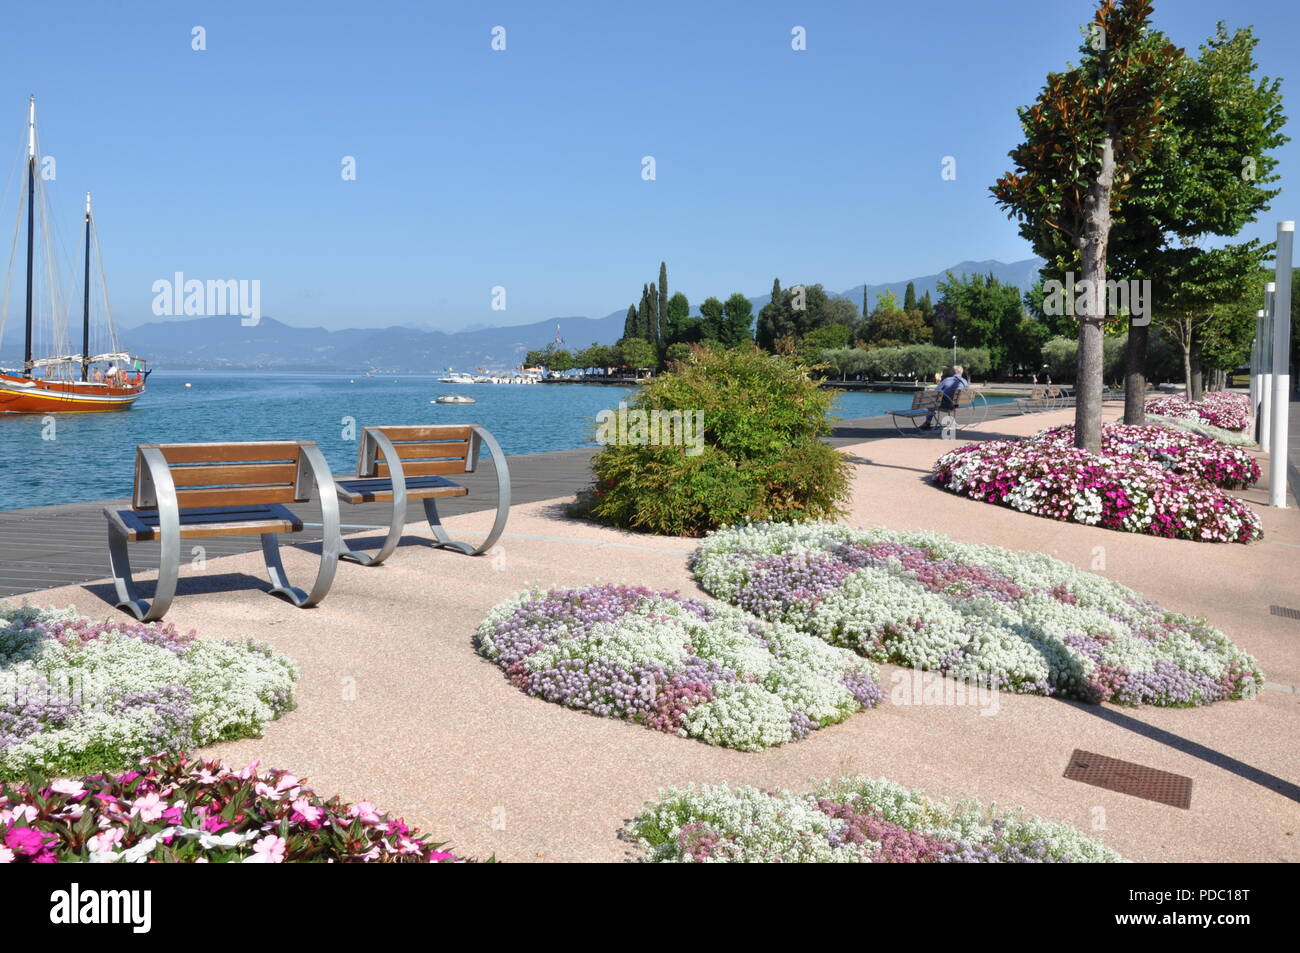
(454, 399)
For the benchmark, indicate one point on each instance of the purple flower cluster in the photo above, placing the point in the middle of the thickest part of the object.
(630, 653)
(80, 631)
(918, 604)
(1177, 450)
(897, 844)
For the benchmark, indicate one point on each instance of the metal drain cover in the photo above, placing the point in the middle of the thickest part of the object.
(1151, 784)
(1285, 612)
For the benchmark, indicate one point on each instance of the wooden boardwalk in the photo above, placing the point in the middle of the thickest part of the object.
(48, 546)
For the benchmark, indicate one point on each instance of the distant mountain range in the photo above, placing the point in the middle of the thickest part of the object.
(222, 342)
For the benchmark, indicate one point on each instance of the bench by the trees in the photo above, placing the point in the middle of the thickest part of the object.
(190, 490)
(966, 410)
(395, 464)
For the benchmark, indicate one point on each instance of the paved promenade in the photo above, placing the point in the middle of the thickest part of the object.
(395, 706)
(49, 546)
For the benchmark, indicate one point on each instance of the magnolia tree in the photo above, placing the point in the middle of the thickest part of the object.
(1088, 132)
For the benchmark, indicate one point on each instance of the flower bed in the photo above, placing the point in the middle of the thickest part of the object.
(170, 809)
(1022, 622)
(78, 696)
(1186, 453)
(1199, 427)
(852, 820)
(675, 665)
(1127, 494)
(1219, 408)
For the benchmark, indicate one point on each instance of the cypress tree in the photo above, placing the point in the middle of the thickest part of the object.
(643, 315)
(865, 310)
(909, 297)
(629, 325)
(662, 324)
(652, 334)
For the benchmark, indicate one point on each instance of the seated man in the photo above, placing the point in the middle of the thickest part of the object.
(948, 389)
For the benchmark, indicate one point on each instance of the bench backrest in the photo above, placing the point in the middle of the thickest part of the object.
(965, 397)
(226, 474)
(423, 450)
(925, 399)
(1037, 393)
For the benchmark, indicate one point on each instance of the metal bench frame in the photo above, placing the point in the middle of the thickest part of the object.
(155, 489)
(376, 443)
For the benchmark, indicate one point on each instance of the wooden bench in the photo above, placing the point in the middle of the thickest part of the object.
(1035, 402)
(190, 490)
(930, 404)
(395, 464)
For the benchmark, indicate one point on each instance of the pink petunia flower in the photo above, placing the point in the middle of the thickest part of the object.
(148, 808)
(269, 850)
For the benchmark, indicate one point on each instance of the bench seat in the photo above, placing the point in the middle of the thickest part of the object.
(141, 525)
(380, 489)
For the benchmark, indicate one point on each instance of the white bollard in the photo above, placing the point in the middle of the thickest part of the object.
(1281, 411)
(1266, 372)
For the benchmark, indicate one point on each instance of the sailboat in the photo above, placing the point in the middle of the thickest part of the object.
(57, 381)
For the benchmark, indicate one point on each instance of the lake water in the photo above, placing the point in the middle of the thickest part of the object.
(91, 456)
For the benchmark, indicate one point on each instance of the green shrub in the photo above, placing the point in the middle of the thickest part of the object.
(757, 455)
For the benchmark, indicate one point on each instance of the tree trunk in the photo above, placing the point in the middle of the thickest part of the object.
(1187, 368)
(1135, 379)
(1198, 379)
(1096, 237)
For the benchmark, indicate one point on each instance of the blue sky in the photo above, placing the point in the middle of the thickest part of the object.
(522, 168)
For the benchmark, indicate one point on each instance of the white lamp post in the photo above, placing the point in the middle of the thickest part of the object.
(1281, 383)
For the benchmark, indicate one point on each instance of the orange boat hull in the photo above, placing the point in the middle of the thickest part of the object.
(19, 395)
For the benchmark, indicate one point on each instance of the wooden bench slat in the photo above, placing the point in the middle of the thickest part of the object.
(457, 449)
(414, 468)
(234, 496)
(430, 432)
(234, 473)
(227, 452)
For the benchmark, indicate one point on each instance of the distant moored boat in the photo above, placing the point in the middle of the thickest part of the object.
(65, 384)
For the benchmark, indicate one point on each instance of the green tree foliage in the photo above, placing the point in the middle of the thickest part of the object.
(909, 298)
(1090, 130)
(886, 301)
(678, 352)
(1206, 175)
(662, 309)
(558, 359)
(986, 313)
(761, 457)
(637, 354)
(795, 311)
(598, 355)
(896, 328)
(711, 318)
(737, 318)
(630, 324)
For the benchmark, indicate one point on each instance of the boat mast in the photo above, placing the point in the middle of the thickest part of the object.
(31, 226)
(85, 304)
